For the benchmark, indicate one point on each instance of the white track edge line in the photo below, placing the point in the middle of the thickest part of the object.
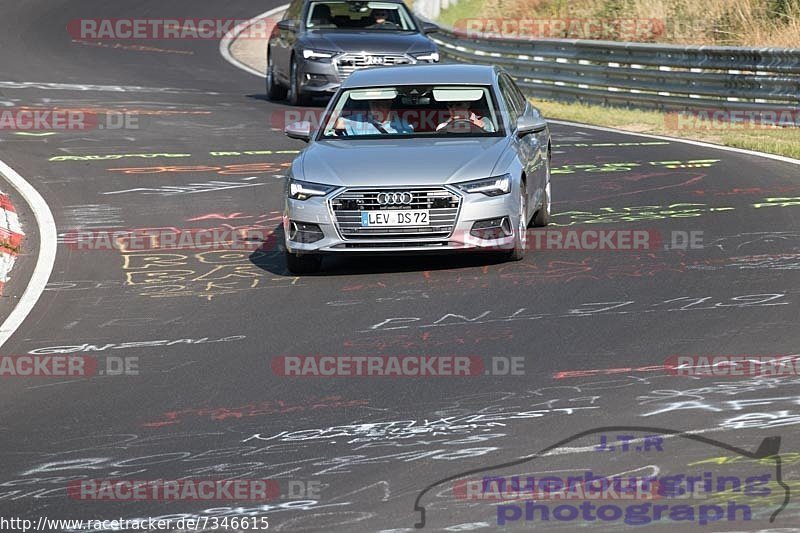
(227, 40)
(47, 252)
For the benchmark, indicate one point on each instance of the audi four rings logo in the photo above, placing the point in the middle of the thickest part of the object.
(374, 60)
(394, 198)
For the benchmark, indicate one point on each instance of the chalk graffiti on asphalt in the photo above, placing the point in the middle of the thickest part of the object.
(627, 167)
(622, 307)
(204, 274)
(611, 144)
(171, 418)
(100, 347)
(407, 429)
(617, 215)
(191, 188)
(248, 168)
(115, 157)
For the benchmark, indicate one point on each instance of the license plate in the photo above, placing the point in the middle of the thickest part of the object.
(416, 217)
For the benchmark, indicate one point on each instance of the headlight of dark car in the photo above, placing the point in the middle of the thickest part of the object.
(495, 186)
(427, 57)
(303, 190)
(318, 55)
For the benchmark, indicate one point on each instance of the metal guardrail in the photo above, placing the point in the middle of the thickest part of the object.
(633, 74)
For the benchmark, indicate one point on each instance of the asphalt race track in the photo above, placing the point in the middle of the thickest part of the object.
(206, 402)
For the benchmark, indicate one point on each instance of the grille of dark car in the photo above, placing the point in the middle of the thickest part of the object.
(442, 206)
(349, 63)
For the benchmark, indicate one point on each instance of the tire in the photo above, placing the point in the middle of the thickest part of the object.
(542, 216)
(303, 263)
(295, 97)
(521, 239)
(275, 91)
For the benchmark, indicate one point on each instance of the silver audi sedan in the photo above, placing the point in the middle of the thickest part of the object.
(418, 159)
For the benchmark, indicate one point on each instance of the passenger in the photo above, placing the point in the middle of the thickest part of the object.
(378, 120)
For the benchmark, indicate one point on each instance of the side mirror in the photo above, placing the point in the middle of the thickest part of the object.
(429, 27)
(288, 25)
(530, 124)
(299, 130)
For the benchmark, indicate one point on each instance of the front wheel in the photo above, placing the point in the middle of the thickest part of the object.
(296, 97)
(542, 217)
(521, 238)
(303, 263)
(275, 91)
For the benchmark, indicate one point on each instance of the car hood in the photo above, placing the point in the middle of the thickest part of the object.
(360, 163)
(375, 42)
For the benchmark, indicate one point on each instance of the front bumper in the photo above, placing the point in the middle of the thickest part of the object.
(325, 77)
(473, 208)
(317, 77)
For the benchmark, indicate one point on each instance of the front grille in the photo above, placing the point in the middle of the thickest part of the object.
(349, 63)
(442, 204)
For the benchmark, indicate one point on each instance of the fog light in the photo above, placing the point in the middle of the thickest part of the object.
(304, 233)
(492, 228)
(506, 226)
(316, 79)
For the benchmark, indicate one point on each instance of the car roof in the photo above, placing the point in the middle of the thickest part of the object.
(422, 75)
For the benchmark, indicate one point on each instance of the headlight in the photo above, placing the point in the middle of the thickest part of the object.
(496, 186)
(318, 55)
(303, 190)
(430, 57)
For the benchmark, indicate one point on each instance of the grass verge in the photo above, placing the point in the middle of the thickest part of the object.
(721, 22)
(464, 9)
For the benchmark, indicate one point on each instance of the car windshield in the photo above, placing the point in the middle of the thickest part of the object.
(414, 111)
(378, 16)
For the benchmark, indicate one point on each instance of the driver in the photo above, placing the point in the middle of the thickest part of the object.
(459, 111)
(379, 120)
(380, 21)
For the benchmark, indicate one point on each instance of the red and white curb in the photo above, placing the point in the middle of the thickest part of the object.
(11, 236)
(46, 229)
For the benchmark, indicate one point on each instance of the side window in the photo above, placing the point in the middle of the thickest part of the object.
(507, 90)
(517, 93)
(294, 11)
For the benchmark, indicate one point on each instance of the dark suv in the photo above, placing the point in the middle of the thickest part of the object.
(319, 43)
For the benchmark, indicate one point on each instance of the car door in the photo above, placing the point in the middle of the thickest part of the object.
(283, 42)
(528, 146)
(542, 137)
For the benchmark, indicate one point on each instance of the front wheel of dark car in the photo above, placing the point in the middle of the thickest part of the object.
(521, 237)
(295, 96)
(303, 263)
(275, 91)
